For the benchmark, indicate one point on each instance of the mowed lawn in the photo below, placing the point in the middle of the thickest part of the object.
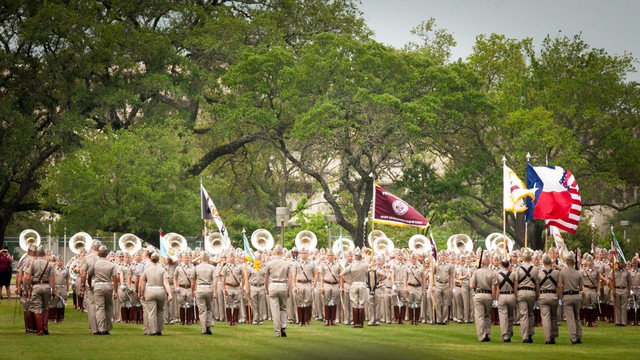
(71, 340)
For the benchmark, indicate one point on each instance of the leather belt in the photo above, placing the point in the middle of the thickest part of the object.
(261, 284)
(442, 282)
(506, 292)
(548, 291)
(185, 286)
(233, 285)
(590, 287)
(621, 287)
(570, 293)
(331, 282)
(414, 285)
(304, 281)
(526, 288)
(483, 291)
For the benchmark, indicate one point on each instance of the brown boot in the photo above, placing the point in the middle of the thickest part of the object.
(229, 316)
(354, 311)
(327, 316)
(45, 322)
(236, 313)
(334, 313)
(38, 324)
(403, 313)
(396, 314)
(300, 316)
(417, 316)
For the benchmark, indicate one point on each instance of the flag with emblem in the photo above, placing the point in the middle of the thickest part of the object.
(248, 252)
(615, 246)
(210, 212)
(389, 209)
(514, 192)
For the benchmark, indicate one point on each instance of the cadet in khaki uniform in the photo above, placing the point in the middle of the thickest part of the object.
(22, 288)
(414, 286)
(277, 278)
(41, 282)
(89, 302)
(256, 293)
(570, 284)
(505, 288)
(377, 300)
(102, 276)
(356, 272)
(399, 297)
(621, 293)
(463, 291)
(591, 280)
(204, 289)
(304, 273)
(56, 307)
(182, 284)
(232, 285)
(443, 287)
(483, 281)
(528, 289)
(330, 288)
(632, 317)
(154, 283)
(171, 315)
(548, 282)
(347, 317)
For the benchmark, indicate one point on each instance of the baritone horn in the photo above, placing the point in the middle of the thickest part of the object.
(130, 243)
(306, 239)
(343, 245)
(80, 240)
(373, 235)
(381, 245)
(262, 240)
(215, 243)
(459, 243)
(29, 237)
(175, 243)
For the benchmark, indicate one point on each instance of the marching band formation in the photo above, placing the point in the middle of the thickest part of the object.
(378, 284)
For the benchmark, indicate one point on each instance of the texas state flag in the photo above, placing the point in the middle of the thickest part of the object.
(557, 197)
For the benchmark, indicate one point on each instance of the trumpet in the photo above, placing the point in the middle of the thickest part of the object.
(79, 241)
(130, 243)
(306, 239)
(262, 240)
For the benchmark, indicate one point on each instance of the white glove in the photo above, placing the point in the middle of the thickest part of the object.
(454, 291)
(494, 304)
(394, 287)
(559, 301)
(631, 292)
(122, 287)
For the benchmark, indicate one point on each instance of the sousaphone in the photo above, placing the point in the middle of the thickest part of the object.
(262, 240)
(80, 240)
(306, 239)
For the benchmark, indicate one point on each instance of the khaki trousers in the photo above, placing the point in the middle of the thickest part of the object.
(278, 296)
(103, 295)
(204, 299)
(572, 305)
(526, 301)
(154, 309)
(506, 311)
(549, 314)
(482, 306)
(258, 304)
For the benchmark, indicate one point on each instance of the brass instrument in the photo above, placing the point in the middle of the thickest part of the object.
(80, 240)
(129, 243)
(306, 239)
(459, 243)
(382, 245)
(262, 240)
(174, 243)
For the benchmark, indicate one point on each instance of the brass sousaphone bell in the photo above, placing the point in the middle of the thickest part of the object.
(80, 240)
(129, 243)
(306, 239)
(262, 240)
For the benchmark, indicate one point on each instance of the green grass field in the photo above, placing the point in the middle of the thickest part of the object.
(71, 340)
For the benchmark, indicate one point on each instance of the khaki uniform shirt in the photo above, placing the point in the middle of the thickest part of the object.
(103, 270)
(204, 274)
(154, 274)
(278, 270)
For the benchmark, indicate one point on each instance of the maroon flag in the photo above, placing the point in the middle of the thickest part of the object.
(389, 209)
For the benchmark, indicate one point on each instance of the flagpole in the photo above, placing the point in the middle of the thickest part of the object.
(613, 278)
(246, 280)
(204, 223)
(526, 223)
(546, 240)
(504, 211)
